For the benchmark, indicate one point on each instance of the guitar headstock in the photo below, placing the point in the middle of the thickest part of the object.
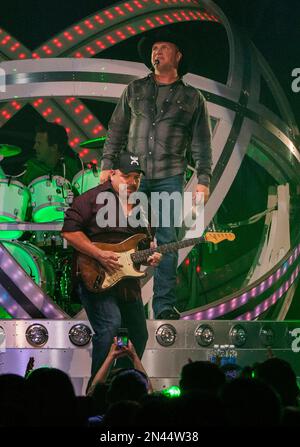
(215, 236)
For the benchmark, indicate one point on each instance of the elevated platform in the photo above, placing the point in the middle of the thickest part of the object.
(170, 345)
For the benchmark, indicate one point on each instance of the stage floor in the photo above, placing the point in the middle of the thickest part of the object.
(163, 364)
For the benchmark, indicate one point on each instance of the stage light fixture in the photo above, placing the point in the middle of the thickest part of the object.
(37, 335)
(166, 335)
(80, 335)
(204, 335)
(238, 335)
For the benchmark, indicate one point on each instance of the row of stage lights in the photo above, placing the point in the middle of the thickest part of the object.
(80, 335)
(37, 335)
(204, 334)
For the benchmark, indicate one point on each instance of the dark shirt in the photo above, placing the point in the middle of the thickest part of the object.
(163, 92)
(81, 216)
(36, 168)
(162, 136)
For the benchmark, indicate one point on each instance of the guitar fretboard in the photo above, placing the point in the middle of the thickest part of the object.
(143, 255)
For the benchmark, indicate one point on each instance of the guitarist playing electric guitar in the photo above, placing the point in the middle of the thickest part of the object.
(120, 305)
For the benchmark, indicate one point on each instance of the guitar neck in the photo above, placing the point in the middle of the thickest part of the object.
(142, 255)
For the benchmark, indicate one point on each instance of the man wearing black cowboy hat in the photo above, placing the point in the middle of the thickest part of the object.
(160, 118)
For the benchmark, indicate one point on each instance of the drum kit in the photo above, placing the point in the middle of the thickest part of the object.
(44, 201)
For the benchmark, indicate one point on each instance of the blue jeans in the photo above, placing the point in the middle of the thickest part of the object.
(107, 313)
(164, 297)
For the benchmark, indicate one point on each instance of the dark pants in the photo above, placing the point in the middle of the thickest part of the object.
(164, 297)
(107, 313)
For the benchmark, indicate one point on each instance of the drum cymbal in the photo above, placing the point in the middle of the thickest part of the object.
(7, 150)
(94, 143)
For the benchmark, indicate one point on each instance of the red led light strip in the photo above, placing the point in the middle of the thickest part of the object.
(8, 110)
(160, 12)
(92, 127)
(11, 47)
(124, 32)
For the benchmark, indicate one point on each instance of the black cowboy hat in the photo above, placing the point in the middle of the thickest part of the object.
(164, 35)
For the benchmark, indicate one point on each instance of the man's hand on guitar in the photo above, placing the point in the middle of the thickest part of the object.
(109, 260)
(154, 259)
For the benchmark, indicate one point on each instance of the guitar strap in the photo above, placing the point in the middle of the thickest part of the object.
(146, 224)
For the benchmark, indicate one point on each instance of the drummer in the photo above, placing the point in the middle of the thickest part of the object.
(53, 154)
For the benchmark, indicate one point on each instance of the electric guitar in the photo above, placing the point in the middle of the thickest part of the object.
(97, 279)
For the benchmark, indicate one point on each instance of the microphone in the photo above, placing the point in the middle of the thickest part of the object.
(156, 62)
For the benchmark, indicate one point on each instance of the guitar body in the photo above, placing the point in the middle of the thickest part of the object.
(94, 275)
(97, 279)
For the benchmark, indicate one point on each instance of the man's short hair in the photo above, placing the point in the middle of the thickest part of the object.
(127, 384)
(56, 135)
